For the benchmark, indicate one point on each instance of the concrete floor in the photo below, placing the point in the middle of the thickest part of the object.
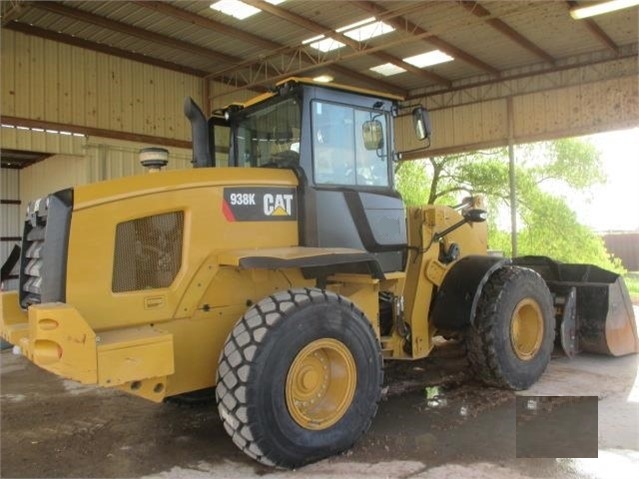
(51, 427)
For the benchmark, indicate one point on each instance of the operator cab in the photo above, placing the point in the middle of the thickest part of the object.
(339, 141)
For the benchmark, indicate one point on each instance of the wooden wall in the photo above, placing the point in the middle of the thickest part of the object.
(100, 159)
(54, 82)
(10, 218)
(571, 102)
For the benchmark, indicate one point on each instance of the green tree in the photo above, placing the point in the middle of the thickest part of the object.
(411, 179)
(547, 224)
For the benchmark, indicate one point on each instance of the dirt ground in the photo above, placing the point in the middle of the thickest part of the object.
(433, 422)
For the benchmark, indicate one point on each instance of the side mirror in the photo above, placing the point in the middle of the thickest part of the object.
(475, 215)
(373, 135)
(421, 123)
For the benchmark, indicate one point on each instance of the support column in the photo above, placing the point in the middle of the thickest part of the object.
(511, 176)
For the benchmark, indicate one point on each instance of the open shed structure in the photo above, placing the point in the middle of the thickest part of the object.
(86, 84)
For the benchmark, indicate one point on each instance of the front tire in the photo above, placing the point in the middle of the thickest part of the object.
(299, 378)
(512, 336)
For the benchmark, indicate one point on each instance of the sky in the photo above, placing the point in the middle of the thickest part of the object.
(614, 206)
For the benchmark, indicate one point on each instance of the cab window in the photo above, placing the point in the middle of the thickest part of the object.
(219, 140)
(270, 136)
(340, 153)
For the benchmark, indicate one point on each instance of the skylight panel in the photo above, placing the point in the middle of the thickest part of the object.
(428, 59)
(590, 9)
(355, 25)
(387, 69)
(323, 79)
(323, 44)
(365, 29)
(235, 8)
(359, 31)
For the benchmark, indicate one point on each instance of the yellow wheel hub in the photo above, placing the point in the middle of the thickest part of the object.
(320, 384)
(527, 329)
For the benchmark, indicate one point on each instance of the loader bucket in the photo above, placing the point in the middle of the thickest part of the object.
(593, 306)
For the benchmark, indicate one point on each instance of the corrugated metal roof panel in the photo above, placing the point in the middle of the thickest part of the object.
(490, 46)
(553, 30)
(545, 22)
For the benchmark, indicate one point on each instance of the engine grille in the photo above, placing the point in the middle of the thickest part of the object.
(148, 252)
(33, 243)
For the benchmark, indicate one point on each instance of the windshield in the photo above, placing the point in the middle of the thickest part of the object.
(270, 136)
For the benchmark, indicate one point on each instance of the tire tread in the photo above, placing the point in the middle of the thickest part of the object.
(482, 335)
(232, 386)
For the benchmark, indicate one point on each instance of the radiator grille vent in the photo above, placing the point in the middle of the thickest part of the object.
(45, 239)
(33, 258)
(148, 252)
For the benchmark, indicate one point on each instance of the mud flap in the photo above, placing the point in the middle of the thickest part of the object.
(592, 302)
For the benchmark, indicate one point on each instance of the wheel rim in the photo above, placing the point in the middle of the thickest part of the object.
(320, 384)
(527, 329)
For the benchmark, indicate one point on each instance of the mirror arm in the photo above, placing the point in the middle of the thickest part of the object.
(400, 154)
(450, 229)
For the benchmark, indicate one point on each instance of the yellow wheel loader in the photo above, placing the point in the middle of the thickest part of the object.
(283, 270)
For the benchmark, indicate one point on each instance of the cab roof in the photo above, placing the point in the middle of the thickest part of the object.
(310, 81)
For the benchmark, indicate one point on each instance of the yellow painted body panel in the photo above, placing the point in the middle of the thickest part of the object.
(61, 341)
(361, 290)
(206, 299)
(14, 322)
(424, 271)
(134, 354)
(57, 338)
(199, 194)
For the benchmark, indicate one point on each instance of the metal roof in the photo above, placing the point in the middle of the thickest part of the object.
(486, 38)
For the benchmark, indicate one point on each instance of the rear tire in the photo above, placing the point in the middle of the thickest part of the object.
(299, 378)
(512, 336)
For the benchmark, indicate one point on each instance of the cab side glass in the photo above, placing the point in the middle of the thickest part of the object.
(421, 123)
(220, 141)
(269, 136)
(348, 146)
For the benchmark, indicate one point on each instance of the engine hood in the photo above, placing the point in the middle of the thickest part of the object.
(95, 194)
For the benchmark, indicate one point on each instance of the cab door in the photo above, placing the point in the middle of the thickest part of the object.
(350, 201)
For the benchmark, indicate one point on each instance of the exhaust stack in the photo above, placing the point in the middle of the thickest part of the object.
(200, 133)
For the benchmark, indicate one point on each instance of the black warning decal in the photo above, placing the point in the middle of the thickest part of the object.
(260, 204)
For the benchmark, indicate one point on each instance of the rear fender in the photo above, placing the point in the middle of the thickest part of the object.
(456, 300)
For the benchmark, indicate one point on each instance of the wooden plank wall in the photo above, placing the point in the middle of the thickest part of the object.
(570, 103)
(50, 81)
(53, 174)
(223, 95)
(41, 141)
(10, 219)
(100, 159)
(108, 159)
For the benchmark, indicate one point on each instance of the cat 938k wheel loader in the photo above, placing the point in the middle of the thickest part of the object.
(283, 270)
